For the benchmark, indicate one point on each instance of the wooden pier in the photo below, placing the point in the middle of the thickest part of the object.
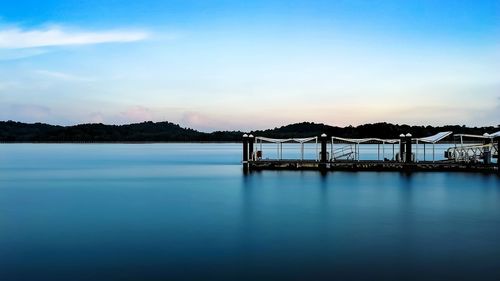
(365, 165)
(405, 161)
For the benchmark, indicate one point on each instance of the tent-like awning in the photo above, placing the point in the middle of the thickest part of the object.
(494, 135)
(435, 138)
(280, 142)
(299, 140)
(364, 140)
(356, 143)
(431, 139)
(471, 136)
(485, 136)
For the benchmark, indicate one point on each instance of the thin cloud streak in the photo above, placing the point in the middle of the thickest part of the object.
(63, 76)
(15, 54)
(16, 38)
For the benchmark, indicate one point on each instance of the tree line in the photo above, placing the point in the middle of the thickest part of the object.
(11, 131)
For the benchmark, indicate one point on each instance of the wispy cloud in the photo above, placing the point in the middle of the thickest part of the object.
(14, 54)
(63, 76)
(17, 38)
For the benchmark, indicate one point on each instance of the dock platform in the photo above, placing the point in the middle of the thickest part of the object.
(481, 157)
(367, 165)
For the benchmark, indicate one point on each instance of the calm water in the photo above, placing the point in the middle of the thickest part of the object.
(186, 212)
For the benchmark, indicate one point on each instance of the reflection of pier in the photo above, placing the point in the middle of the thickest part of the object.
(402, 154)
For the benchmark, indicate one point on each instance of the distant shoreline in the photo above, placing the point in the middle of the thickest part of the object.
(167, 132)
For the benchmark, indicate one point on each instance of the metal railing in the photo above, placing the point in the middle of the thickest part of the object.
(346, 152)
(471, 153)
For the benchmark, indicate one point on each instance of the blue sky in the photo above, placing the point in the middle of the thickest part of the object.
(250, 64)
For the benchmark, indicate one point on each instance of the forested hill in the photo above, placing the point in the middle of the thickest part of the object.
(140, 132)
(11, 131)
(378, 130)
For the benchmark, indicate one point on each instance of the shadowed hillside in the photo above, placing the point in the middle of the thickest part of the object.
(11, 131)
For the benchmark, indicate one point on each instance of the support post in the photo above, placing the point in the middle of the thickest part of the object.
(323, 153)
(357, 152)
(331, 152)
(281, 151)
(317, 148)
(393, 155)
(433, 152)
(251, 140)
(424, 151)
(498, 155)
(302, 151)
(278, 151)
(402, 140)
(245, 153)
(383, 150)
(487, 151)
(416, 151)
(408, 148)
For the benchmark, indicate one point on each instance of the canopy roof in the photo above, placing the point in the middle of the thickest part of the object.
(485, 136)
(365, 140)
(435, 138)
(494, 135)
(299, 140)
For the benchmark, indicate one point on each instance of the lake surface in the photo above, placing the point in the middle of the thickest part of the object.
(186, 212)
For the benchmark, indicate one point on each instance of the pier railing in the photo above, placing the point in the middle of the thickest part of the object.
(346, 152)
(472, 153)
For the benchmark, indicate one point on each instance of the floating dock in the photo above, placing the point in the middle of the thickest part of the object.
(458, 157)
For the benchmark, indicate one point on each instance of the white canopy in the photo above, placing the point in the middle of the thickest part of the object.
(280, 142)
(471, 136)
(485, 136)
(299, 140)
(435, 138)
(494, 135)
(365, 140)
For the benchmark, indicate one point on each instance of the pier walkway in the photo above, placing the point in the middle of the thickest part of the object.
(405, 154)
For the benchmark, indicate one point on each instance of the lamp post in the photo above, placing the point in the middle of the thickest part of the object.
(408, 148)
(245, 153)
(251, 141)
(402, 147)
(323, 158)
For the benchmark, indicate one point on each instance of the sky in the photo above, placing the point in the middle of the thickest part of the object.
(242, 65)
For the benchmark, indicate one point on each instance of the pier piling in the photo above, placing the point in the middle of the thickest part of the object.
(323, 153)
(408, 148)
(487, 151)
(498, 154)
(245, 153)
(402, 141)
(251, 141)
